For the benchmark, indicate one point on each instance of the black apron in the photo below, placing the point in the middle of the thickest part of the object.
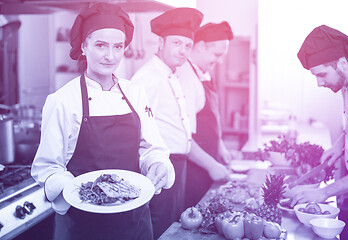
(167, 206)
(208, 135)
(105, 142)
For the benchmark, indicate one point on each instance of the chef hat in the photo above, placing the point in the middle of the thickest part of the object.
(98, 16)
(211, 32)
(323, 45)
(178, 21)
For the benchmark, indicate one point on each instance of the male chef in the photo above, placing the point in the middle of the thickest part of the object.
(325, 52)
(175, 29)
(211, 44)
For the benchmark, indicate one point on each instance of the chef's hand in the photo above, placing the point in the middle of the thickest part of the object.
(332, 155)
(225, 154)
(158, 174)
(218, 172)
(305, 193)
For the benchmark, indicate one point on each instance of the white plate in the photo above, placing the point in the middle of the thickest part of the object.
(147, 190)
(289, 210)
(239, 168)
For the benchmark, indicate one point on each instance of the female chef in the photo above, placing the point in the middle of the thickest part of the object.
(99, 121)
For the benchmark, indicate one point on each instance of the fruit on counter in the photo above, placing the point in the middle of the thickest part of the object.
(218, 220)
(253, 226)
(191, 218)
(272, 191)
(233, 227)
(271, 230)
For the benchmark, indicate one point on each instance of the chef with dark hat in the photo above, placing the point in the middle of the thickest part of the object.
(175, 29)
(99, 121)
(325, 53)
(210, 47)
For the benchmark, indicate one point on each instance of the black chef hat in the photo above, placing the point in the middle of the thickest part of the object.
(98, 16)
(178, 21)
(211, 32)
(323, 45)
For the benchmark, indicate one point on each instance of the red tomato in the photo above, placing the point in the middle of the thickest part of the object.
(191, 218)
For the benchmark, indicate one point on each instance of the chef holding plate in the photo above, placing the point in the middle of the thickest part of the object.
(99, 121)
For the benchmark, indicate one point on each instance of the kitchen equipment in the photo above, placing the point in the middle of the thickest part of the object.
(305, 218)
(312, 173)
(22, 201)
(7, 147)
(326, 227)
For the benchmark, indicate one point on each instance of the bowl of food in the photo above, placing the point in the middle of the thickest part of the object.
(305, 212)
(327, 227)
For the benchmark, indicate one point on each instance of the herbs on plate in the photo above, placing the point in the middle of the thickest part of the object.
(108, 189)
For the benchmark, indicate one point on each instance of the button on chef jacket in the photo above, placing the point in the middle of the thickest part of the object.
(168, 103)
(61, 121)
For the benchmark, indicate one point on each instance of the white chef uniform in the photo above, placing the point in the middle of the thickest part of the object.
(61, 121)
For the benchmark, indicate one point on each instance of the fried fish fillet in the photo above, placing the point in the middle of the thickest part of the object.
(122, 190)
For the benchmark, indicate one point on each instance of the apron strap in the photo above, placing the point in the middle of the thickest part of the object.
(84, 94)
(125, 98)
(212, 81)
(193, 68)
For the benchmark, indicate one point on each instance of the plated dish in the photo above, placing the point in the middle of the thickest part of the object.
(144, 191)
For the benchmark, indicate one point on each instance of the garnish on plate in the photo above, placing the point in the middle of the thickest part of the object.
(108, 189)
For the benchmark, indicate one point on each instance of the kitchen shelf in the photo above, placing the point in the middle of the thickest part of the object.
(236, 87)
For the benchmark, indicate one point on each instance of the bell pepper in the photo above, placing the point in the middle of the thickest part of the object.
(253, 226)
(218, 220)
(233, 227)
(191, 218)
(271, 230)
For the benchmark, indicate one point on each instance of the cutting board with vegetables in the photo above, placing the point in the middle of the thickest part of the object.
(175, 231)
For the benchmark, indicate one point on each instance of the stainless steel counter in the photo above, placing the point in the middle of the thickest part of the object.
(258, 170)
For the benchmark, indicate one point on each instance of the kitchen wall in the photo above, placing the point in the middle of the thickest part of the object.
(34, 71)
(283, 82)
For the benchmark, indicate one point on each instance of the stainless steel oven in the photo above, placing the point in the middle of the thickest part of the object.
(22, 201)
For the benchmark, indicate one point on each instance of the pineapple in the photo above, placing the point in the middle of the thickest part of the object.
(272, 192)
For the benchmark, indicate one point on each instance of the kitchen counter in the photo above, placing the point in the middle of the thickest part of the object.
(258, 170)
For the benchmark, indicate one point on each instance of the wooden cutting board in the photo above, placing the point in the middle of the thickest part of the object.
(175, 231)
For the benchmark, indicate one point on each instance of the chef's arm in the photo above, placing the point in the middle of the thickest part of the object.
(216, 170)
(49, 165)
(336, 188)
(224, 152)
(312, 193)
(335, 152)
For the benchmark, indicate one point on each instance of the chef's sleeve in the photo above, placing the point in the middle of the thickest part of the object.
(49, 165)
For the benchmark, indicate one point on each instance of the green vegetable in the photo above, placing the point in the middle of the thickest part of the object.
(253, 226)
(218, 220)
(271, 230)
(233, 228)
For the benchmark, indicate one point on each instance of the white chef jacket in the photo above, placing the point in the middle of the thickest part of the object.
(345, 123)
(193, 89)
(168, 103)
(61, 121)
